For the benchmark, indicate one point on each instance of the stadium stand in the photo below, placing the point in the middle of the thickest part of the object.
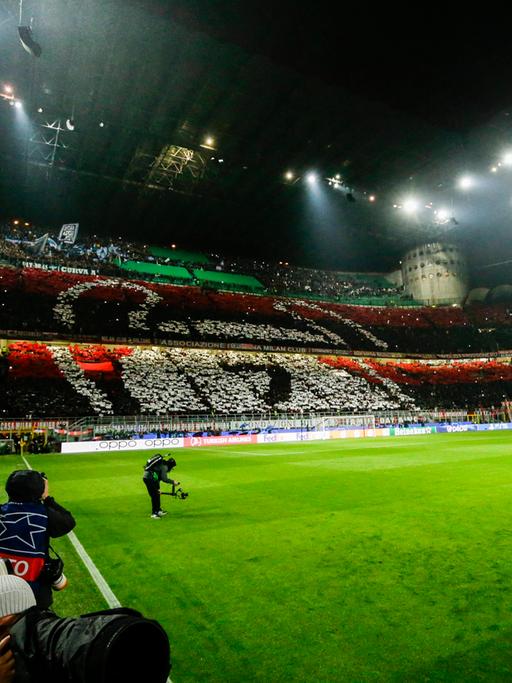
(127, 259)
(228, 280)
(73, 380)
(93, 307)
(161, 272)
(134, 327)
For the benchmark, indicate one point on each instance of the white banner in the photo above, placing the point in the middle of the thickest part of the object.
(289, 437)
(121, 445)
(277, 437)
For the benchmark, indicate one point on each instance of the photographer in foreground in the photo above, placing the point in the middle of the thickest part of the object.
(27, 522)
(156, 470)
(37, 646)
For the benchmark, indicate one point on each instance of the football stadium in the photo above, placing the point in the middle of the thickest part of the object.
(255, 355)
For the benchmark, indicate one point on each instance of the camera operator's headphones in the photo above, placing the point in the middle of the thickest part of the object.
(171, 463)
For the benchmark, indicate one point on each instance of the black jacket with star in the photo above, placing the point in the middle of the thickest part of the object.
(25, 532)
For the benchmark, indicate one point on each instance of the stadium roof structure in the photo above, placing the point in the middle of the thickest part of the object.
(142, 125)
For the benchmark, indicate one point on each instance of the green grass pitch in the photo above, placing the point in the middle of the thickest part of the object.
(376, 560)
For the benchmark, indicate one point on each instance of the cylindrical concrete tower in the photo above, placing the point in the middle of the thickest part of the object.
(435, 273)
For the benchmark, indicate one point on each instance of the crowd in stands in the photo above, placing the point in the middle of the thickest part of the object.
(122, 379)
(85, 307)
(18, 243)
(283, 278)
(61, 380)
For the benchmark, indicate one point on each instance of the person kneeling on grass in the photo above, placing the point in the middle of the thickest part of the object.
(155, 471)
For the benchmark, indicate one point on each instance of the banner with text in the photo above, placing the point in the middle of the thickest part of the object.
(111, 446)
(241, 439)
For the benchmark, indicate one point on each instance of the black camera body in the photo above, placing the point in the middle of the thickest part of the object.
(178, 492)
(53, 573)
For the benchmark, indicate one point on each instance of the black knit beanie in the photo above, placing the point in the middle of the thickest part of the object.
(25, 486)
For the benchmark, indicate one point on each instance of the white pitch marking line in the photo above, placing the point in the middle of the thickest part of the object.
(107, 593)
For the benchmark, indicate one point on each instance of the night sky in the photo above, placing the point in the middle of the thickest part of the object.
(399, 103)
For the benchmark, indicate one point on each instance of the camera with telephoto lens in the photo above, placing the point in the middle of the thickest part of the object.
(102, 647)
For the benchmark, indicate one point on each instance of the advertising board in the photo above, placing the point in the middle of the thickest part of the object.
(115, 445)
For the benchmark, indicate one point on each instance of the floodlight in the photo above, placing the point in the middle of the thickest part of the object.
(337, 176)
(311, 178)
(289, 175)
(466, 182)
(18, 104)
(372, 198)
(442, 216)
(410, 205)
(8, 89)
(507, 159)
(40, 110)
(27, 41)
(494, 169)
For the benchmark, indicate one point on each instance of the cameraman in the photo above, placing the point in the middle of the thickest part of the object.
(27, 522)
(155, 471)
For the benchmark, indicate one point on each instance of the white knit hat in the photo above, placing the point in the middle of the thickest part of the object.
(15, 595)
